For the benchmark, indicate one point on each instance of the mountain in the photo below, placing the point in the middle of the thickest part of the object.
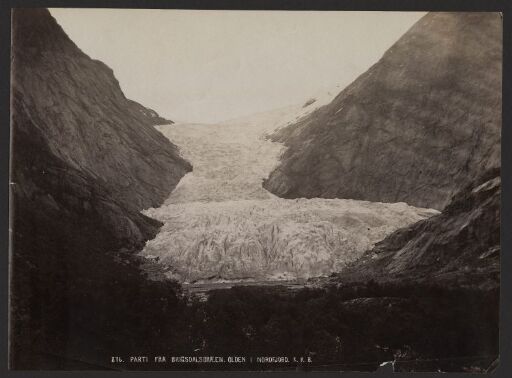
(416, 127)
(85, 162)
(77, 105)
(458, 247)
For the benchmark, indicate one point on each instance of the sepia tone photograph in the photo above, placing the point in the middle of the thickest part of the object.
(264, 190)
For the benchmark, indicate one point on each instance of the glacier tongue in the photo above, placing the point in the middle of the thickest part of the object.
(220, 224)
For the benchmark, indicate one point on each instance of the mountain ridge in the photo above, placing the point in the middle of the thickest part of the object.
(415, 127)
(88, 111)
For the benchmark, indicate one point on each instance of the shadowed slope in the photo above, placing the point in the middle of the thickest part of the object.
(461, 245)
(78, 107)
(85, 161)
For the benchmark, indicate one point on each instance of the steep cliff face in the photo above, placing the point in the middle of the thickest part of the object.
(416, 127)
(85, 161)
(77, 105)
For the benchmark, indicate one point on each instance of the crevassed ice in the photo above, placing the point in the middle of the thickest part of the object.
(220, 224)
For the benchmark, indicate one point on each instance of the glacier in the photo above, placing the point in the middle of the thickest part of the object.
(221, 224)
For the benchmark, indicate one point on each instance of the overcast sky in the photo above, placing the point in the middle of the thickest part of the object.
(208, 66)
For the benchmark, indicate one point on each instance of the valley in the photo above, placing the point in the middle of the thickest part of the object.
(221, 225)
(309, 230)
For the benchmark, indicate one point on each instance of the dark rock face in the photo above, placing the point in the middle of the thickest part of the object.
(416, 127)
(460, 246)
(77, 105)
(85, 161)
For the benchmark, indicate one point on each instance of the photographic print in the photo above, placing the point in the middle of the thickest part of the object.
(255, 190)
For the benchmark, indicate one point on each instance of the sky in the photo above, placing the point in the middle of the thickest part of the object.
(209, 66)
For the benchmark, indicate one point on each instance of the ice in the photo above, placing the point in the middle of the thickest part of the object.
(220, 224)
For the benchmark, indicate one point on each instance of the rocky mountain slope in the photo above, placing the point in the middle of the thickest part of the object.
(416, 127)
(78, 107)
(85, 161)
(461, 245)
